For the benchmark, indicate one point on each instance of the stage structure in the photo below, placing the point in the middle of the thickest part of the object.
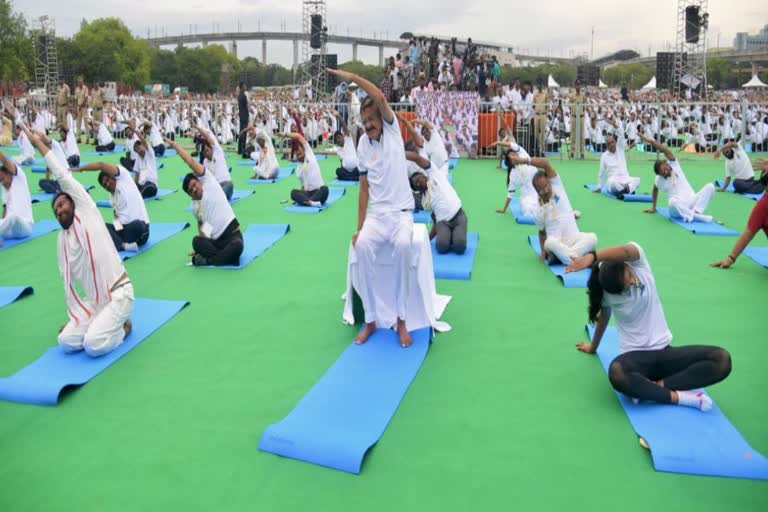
(690, 70)
(46, 58)
(313, 56)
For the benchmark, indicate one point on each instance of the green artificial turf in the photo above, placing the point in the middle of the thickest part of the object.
(503, 415)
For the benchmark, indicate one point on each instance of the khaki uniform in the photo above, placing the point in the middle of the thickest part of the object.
(81, 107)
(62, 102)
(577, 124)
(98, 105)
(540, 119)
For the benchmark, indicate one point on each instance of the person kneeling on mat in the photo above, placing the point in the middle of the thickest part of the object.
(347, 154)
(99, 321)
(738, 168)
(683, 202)
(449, 222)
(145, 167)
(559, 235)
(313, 191)
(758, 220)
(648, 367)
(130, 229)
(220, 241)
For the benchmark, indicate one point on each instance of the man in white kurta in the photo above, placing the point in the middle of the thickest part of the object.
(613, 177)
(17, 220)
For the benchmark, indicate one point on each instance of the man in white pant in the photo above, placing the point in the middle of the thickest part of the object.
(385, 206)
(99, 321)
(613, 177)
(559, 236)
(17, 220)
(683, 202)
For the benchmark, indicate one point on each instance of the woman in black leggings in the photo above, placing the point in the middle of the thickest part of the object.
(648, 368)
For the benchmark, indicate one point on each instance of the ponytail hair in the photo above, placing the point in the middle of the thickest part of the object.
(606, 276)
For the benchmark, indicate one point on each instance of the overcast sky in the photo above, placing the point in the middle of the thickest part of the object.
(560, 30)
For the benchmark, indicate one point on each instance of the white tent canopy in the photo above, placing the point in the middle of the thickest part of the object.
(651, 84)
(551, 82)
(755, 82)
(601, 84)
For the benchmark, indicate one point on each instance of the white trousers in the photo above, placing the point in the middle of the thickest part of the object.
(616, 184)
(396, 229)
(692, 209)
(266, 172)
(529, 205)
(566, 249)
(104, 331)
(13, 226)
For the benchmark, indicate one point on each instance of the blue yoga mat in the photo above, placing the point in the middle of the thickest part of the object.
(318, 157)
(245, 163)
(347, 410)
(9, 294)
(454, 266)
(627, 198)
(344, 183)
(683, 439)
(754, 197)
(570, 280)
(517, 212)
(334, 194)
(41, 197)
(43, 380)
(158, 231)
(169, 152)
(256, 240)
(452, 163)
(39, 169)
(759, 254)
(38, 162)
(422, 216)
(118, 149)
(41, 227)
(282, 173)
(161, 192)
(698, 228)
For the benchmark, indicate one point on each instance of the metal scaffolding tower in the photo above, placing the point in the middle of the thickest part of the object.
(46, 58)
(313, 54)
(690, 69)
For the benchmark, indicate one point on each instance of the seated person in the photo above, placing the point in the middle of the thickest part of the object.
(758, 220)
(130, 141)
(48, 185)
(99, 321)
(145, 167)
(649, 368)
(449, 222)
(69, 144)
(220, 241)
(104, 141)
(215, 161)
(613, 177)
(17, 220)
(559, 235)
(313, 191)
(130, 227)
(529, 198)
(738, 167)
(155, 138)
(267, 167)
(347, 154)
(683, 203)
(26, 154)
(434, 146)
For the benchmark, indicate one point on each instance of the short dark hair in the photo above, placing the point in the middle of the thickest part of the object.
(62, 193)
(367, 103)
(657, 166)
(102, 175)
(539, 174)
(187, 180)
(607, 276)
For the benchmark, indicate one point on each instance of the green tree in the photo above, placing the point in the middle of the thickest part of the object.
(371, 73)
(163, 67)
(633, 75)
(15, 45)
(720, 73)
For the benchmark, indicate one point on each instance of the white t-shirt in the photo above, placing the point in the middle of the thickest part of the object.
(556, 217)
(25, 146)
(146, 167)
(637, 311)
(58, 151)
(435, 148)
(348, 154)
(613, 165)
(127, 201)
(70, 145)
(16, 199)
(384, 164)
(441, 197)
(308, 171)
(213, 209)
(739, 167)
(677, 184)
(103, 135)
(218, 166)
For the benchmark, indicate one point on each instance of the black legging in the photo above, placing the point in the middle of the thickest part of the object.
(136, 231)
(225, 250)
(681, 368)
(303, 197)
(105, 149)
(49, 186)
(73, 161)
(748, 186)
(344, 175)
(159, 149)
(148, 189)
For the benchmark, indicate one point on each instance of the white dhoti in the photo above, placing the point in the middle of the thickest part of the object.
(13, 226)
(692, 208)
(620, 184)
(104, 330)
(425, 306)
(566, 249)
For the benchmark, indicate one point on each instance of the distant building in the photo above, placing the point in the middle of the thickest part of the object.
(744, 41)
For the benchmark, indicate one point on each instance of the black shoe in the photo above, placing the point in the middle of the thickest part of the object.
(199, 260)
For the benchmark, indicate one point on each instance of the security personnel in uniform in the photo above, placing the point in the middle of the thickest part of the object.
(62, 103)
(540, 100)
(577, 122)
(81, 107)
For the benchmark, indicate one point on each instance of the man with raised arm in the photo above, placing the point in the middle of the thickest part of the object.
(215, 161)
(385, 204)
(348, 170)
(738, 168)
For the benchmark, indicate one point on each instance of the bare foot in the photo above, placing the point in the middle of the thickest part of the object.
(363, 335)
(405, 336)
(128, 327)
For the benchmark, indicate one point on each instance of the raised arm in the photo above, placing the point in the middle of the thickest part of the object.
(209, 137)
(417, 139)
(540, 163)
(107, 168)
(295, 136)
(417, 159)
(373, 92)
(8, 163)
(424, 122)
(627, 252)
(193, 164)
(658, 146)
(726, 147)
(342, 123)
